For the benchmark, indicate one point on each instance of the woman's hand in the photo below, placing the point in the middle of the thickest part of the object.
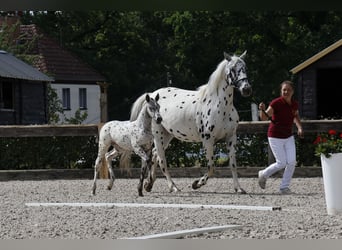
(300, 133)
(262, 106)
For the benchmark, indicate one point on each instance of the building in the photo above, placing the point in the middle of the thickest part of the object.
(78, 85)
(23, 92)
(319, 80)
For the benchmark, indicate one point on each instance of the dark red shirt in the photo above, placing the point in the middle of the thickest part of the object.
(282, 118)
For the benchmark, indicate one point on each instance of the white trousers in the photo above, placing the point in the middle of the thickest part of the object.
(284, 151)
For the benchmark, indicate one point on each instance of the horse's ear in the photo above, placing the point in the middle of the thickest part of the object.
(157, 97)
(147, 98)
(243, 55)
(227, 56)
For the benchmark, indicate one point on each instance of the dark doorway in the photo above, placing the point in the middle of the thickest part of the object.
(329, 93)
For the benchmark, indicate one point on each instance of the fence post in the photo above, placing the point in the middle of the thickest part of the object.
(104, 173)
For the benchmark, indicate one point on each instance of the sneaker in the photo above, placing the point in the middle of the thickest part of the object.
(285, 191)
(262, 180)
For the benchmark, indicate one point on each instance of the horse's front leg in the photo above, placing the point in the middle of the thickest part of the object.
(209, 154)
(231, 143)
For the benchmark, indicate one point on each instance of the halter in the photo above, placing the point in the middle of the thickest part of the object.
(234, 81)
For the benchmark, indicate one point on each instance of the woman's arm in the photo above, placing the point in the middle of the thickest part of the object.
(298, 123)
(265, 114)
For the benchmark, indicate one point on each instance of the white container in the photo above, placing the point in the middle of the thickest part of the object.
(332, 179)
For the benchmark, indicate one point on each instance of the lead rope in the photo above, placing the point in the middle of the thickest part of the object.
(265, 113)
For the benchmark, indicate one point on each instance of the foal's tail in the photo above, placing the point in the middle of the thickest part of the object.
(137, 107)
(125, 160)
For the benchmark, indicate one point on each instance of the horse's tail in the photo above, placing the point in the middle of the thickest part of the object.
(137, 106)
(125, 159)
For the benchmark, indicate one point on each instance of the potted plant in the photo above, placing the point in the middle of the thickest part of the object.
(329, 148)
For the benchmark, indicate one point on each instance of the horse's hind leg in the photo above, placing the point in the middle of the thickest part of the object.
(231, 142)
(161, 141)
(109, 157)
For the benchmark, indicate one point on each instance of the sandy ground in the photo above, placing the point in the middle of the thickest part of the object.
(302, 216)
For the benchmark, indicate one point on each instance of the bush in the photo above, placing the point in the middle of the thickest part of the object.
(47, 152)
(81, 152)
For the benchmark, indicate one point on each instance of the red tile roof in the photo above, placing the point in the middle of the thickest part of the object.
(57, 62)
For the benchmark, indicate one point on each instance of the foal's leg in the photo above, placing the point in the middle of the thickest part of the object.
(151, 177)
(145, 161)
(230, 143)
(98, 163)
(109, 157)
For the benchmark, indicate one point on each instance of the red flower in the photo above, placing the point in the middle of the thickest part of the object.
(332, 132)
(329, 143)
(318, 140)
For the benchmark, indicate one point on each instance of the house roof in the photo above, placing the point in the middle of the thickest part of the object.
(316, 57)
(63, 65)
(12, 67)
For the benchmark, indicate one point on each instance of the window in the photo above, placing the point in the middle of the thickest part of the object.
(6, 95)
(83, 98)
(66, 98)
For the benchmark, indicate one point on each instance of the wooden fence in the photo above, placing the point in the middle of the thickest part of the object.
(259, 127)
(253, 127)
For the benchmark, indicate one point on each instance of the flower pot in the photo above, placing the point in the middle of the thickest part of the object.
(332, 179)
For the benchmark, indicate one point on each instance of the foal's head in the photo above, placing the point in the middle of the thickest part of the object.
(153, 108)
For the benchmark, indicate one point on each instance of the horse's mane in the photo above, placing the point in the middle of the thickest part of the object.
(214, 79)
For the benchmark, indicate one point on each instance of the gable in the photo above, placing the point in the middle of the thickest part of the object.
(57, 61)
(316, 57)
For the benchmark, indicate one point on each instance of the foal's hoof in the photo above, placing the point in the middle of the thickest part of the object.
(109, 188)
(195, 185)
(140, 193)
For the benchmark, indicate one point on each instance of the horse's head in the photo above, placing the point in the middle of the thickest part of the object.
(153, 108)
(236, 75)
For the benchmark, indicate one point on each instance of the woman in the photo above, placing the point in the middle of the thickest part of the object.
(283, 112)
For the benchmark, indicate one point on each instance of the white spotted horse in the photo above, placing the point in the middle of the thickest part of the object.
(206, 115)
(127, 137)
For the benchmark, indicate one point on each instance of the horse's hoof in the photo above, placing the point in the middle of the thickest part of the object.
(140, 193)
(195, 185)
(109, 188)
(147, 187)
(174, 189)
(240, 191)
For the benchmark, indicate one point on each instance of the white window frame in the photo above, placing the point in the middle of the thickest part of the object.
(82, 95)
(66, 98)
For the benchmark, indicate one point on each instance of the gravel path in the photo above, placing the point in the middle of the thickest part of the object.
(303, 214)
